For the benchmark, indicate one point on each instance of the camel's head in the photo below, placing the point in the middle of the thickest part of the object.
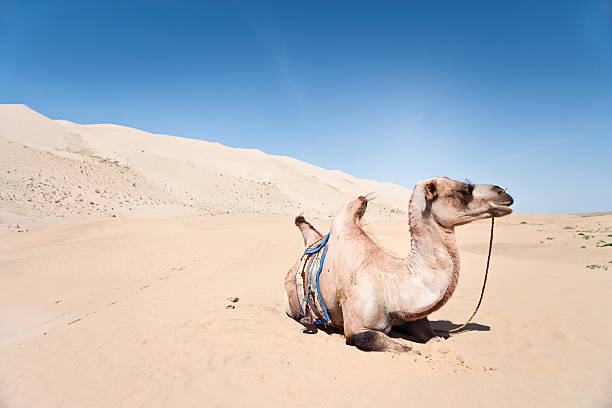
(453, 203)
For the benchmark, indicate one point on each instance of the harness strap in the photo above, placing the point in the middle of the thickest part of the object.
(318, 247)
(327, 319)
(309, 272)
(299, 272)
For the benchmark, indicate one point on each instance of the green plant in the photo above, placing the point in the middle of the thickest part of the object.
(594, 266)
(550, 238)
(523, 222)
(582, 247)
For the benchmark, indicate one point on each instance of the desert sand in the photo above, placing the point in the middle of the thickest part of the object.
(130, 301)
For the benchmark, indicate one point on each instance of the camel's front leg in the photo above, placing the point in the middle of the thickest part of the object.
(359, 324)
(372, 340)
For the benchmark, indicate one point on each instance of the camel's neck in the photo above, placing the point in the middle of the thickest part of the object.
(432, 267)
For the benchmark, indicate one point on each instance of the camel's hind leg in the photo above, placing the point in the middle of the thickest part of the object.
(290, 298)
(291, 312)
(358, 332)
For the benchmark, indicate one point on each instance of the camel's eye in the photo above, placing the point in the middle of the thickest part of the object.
(467, 191)
(465, 194)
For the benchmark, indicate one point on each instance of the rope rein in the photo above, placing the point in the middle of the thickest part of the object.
(484, 283)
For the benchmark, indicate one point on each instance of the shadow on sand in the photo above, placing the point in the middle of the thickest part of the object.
(442, 327)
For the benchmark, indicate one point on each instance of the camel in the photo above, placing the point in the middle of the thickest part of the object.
(368, 291)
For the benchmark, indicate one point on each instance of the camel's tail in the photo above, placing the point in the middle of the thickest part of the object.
(309, 233)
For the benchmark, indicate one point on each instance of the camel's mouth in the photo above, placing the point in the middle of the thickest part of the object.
(500, 209)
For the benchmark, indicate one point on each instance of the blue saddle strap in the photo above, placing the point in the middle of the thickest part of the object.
(318, 288)
(318, 248)
(323, 245)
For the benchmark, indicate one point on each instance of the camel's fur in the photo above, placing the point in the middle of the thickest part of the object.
(367, 291)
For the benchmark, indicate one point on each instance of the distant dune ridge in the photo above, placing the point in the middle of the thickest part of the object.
(51, 170)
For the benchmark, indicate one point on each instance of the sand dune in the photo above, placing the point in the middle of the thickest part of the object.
(106, 170)
(116, 292)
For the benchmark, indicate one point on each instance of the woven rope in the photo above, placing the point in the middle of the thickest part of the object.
(484, 284)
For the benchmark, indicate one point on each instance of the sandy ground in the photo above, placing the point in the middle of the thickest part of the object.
(134, 312)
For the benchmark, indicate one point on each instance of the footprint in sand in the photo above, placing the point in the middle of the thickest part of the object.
(232, 299)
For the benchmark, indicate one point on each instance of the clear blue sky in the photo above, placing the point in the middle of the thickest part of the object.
(515, 93)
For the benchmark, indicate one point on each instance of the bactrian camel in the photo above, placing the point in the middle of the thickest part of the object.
(368, 291)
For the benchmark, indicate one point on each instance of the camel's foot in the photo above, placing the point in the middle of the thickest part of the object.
(371, 340)
(420, 330)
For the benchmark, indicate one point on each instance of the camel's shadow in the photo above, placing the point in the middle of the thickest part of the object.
(446, 325)
(441, 329)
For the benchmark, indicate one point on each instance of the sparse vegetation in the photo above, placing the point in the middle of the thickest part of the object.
(523, 222)
(594, 266)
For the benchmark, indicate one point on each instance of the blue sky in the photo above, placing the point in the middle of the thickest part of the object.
(515, 93)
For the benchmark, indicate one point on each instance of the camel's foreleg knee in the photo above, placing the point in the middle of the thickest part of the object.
(371, 340)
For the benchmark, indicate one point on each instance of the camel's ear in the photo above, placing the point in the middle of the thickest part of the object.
(431, 191)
